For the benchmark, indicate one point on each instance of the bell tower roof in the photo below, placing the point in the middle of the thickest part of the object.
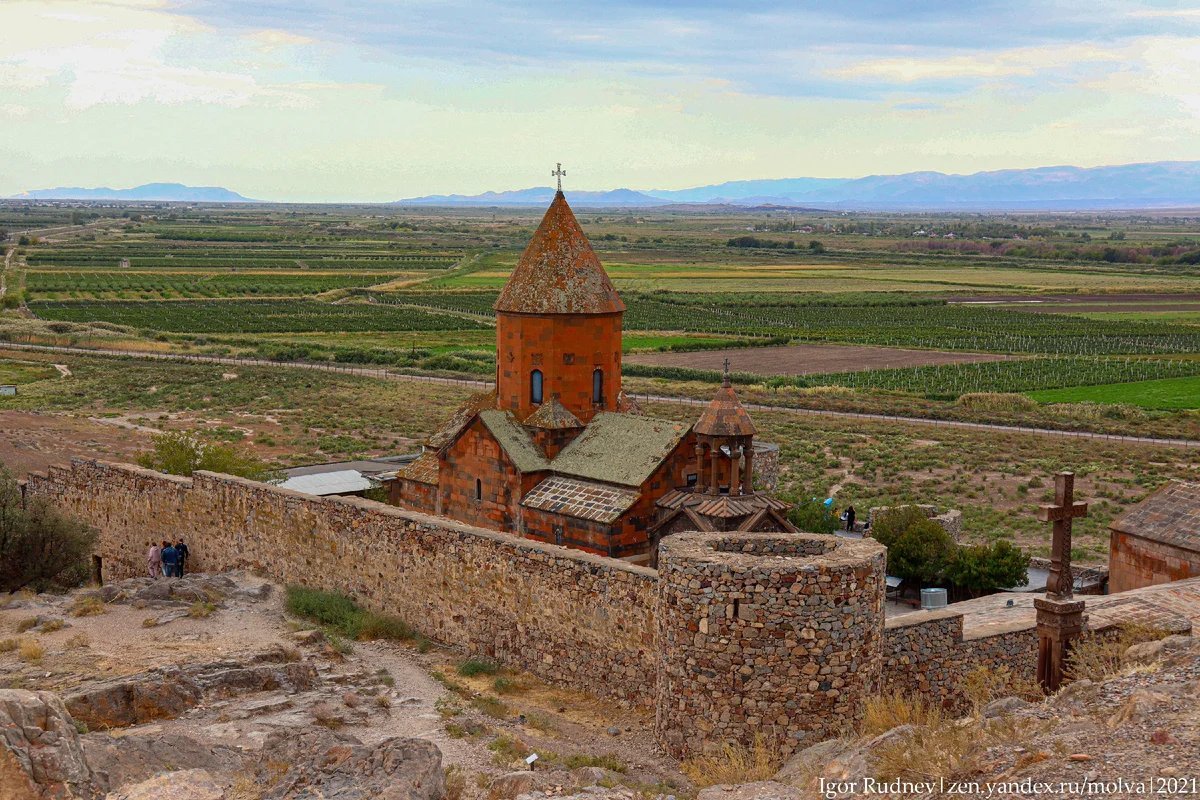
(725, 415)
(559, 272)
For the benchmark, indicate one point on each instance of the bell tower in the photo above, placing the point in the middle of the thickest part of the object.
(558, 324)
(725, 445)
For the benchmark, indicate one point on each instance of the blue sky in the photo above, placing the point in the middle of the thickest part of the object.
(357, 100)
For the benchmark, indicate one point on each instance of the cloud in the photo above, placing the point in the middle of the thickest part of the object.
(1025, 61)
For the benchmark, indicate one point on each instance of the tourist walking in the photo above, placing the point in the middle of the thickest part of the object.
(181, 554)
(154, 561)
(170, 559)
(849, 518)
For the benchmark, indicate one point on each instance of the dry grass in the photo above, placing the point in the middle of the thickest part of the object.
(984, 684)
(201, 610)
(150, 622)
(884, 712)
(8, 645)
(79, 640)
(31, 650)
(88, 606)
(949, 750)
(1096, 655)
(456, 783)
(732, 763)
(27, 624)
(52, 625)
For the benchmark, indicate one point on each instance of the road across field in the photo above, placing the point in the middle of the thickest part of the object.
(682, 401)
(809, 359)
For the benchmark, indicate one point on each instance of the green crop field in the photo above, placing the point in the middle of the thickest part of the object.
(1164, 394)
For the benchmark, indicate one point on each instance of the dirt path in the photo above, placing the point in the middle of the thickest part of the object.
(484, 385)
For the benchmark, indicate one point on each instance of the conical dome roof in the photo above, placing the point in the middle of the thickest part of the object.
(725, 415)
(559, 272)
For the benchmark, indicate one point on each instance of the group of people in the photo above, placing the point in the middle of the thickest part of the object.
(166, 559)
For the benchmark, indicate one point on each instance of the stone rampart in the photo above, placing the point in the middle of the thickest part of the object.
(767, 634)
(739, 635)
(572, 618)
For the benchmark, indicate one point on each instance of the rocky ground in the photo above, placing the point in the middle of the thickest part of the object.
(208, 678)
(204, 689)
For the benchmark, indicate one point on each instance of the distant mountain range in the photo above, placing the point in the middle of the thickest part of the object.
(1152, 185)
(160, 192)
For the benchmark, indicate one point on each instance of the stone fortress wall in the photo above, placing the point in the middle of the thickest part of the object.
(726, 643)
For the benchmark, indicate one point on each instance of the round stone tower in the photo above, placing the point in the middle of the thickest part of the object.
(558, 324)
(777, 635)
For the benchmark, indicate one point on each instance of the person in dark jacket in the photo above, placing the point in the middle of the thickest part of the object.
(850, 518)
(170, 559)
(181, 554)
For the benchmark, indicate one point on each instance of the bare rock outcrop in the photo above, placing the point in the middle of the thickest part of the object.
(188, 784)
(760, 790)
(40, 754)
(118, 761)
(331, 766)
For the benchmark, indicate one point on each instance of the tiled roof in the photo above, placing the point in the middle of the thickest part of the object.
(559, 272)
(424, 470)
(1170, 515)
(726, 506)
(553, 416)
(619, 448)
(581, 499)
(725, 415)
(514, 440)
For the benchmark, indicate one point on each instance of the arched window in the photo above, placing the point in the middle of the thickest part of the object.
(598, 386)
(535, 386)
(478, 489)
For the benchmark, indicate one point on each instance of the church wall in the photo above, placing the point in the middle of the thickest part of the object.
(1135, 562)
(476, 455)
(547, 526)
(631, 535)
(566, 348)
(572, 618)
(413, 494)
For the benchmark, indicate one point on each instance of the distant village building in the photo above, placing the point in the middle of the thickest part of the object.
(1158, 540)
(558, 452)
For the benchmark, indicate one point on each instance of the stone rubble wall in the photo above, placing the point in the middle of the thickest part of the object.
(572, 618)
(739, 635)
(926, 653)
(766, 634)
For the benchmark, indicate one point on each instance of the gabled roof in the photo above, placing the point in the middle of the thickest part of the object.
(1170, 515)
(553, 416)
(588, 500)
(424, 470)
(346, 481)
(619, 448)
(559, 272)
(461, 417)
(514, 440)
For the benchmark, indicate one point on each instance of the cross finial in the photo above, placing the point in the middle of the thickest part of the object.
(725, 378)
(1061, 584)
(558, 173)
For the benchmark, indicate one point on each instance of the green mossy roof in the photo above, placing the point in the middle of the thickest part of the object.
(619, 448)
(514, 440)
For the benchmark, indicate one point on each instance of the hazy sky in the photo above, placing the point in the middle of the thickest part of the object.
(360, 100)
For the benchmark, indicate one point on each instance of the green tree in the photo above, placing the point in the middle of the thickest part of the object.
(40, 547)
(813, 516)
(983, 569)
(815, 246)
(182, 453)
(919, 549)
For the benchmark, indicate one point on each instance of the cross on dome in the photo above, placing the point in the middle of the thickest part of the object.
(558, 172)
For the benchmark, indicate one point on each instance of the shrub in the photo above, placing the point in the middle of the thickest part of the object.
(478, 666)
(981, 569)
(52, 625)
(88, 605)
(919, 552)
(182, 453)
(492, 706)
(78, 640)
(984, 684)
(997, 401)
(40, 547)
(31, 650)
(26, 624)
(813, 516)
(733, 763)
(201, 610)
(8, 645)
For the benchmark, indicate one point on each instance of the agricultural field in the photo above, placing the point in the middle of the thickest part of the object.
(1049, 316)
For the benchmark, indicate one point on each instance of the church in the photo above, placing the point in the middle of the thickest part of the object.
(557, 452)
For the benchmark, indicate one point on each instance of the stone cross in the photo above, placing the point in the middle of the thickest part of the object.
(1061, 584)
(558, 172)
(725, 377)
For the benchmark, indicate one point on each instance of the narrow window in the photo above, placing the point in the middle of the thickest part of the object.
(535, 386)
(478, 489)
(598, 386)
